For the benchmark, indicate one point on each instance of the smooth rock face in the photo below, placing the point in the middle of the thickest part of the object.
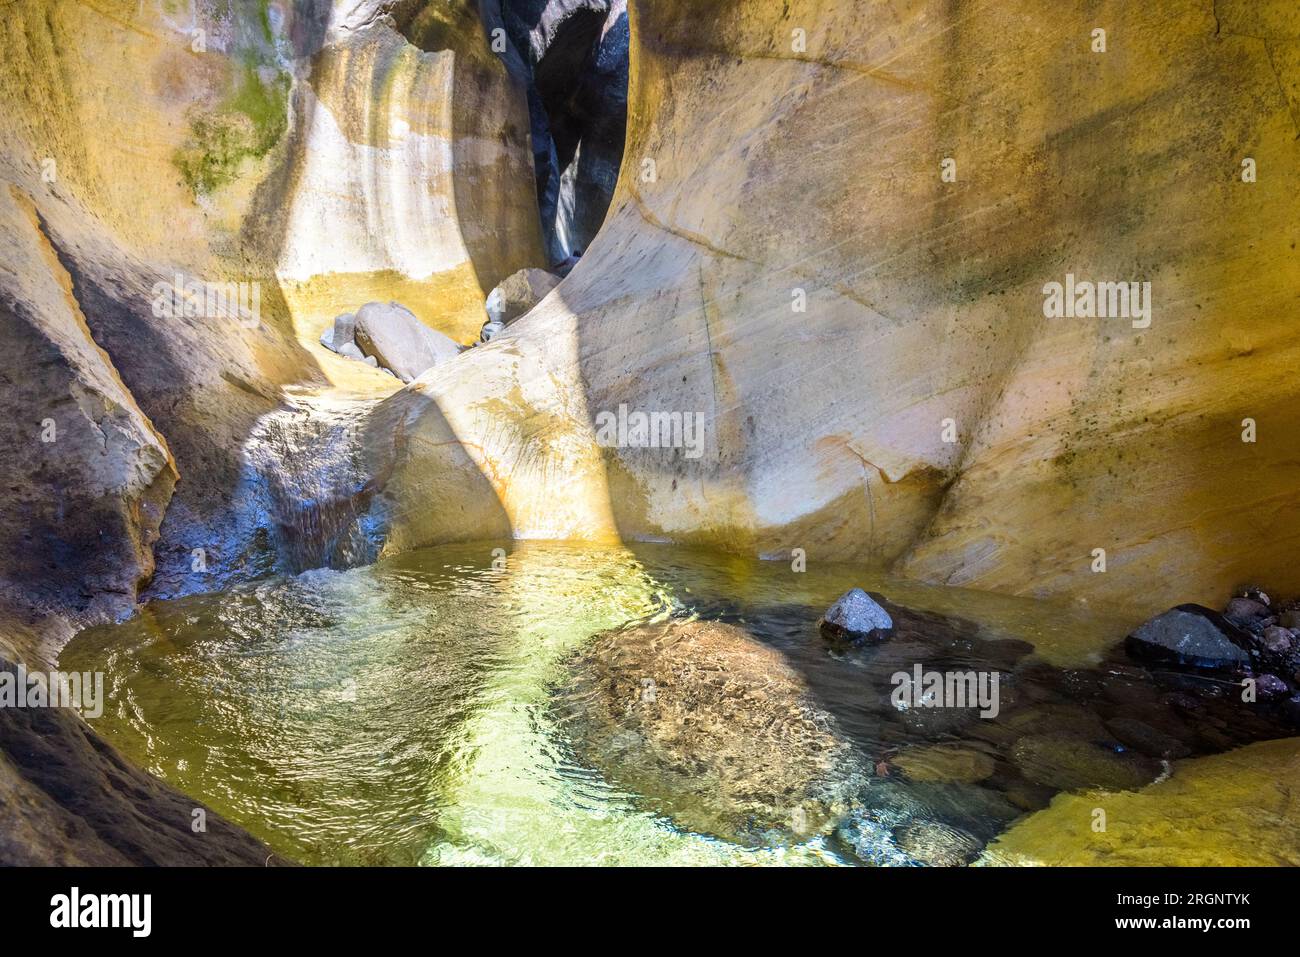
(856, 616)
(1194, 636)
(701, 259)
(400, 342)
(87, 476)
(713, 727)
(518, 294)
(409, 175)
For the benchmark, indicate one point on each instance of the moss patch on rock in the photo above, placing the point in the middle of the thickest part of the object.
(248, 126)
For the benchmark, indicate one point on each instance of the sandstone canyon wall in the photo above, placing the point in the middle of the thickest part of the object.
(761, 171)
(862, 337)
(312, 153)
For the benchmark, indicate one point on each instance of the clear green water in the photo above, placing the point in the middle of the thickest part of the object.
(401, 713)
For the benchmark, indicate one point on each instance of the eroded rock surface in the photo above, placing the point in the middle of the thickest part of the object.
(776, 172)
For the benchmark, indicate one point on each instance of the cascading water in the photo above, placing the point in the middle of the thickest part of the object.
(306, 489)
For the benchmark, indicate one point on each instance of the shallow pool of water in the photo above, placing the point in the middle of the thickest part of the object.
(406, 712)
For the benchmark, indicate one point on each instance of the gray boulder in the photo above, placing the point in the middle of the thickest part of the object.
(351, 351)
(1278, 640)
(399, 341)
(1191, 635)
(856, 616)
(491, 330)
(341, 337)
(345, 327)
(518, 294)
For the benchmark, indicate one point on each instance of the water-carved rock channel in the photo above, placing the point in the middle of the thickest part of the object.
(550, 703)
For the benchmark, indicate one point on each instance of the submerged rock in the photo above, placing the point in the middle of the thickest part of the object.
(1193, 636)
(945, 763)
(1229, 809)
(519, 293)
(399, 341)
(713, 728)
(1150, 741)
(1069, 764)
(856, 616)
(937, 844)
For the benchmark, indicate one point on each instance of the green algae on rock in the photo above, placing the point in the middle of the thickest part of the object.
(1237, 808)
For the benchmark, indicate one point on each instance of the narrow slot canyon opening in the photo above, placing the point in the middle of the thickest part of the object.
(573, 57)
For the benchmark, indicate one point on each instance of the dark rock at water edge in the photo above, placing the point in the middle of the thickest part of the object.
(68, 798)
(857, 616)
(1192, 636)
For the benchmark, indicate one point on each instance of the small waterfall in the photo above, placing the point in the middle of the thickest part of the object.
(305, 485)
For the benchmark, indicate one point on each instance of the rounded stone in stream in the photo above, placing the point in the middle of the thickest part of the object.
(1271, 687)
(937, 844)
(713, 728)
(1071, 764)
(399, 341)
(1150, 741)
(1278, 640)
(1247, 608)
(1192, 636)
(856, 616)
(945, 763)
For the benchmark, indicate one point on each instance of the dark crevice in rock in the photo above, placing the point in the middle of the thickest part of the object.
(572, 56)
